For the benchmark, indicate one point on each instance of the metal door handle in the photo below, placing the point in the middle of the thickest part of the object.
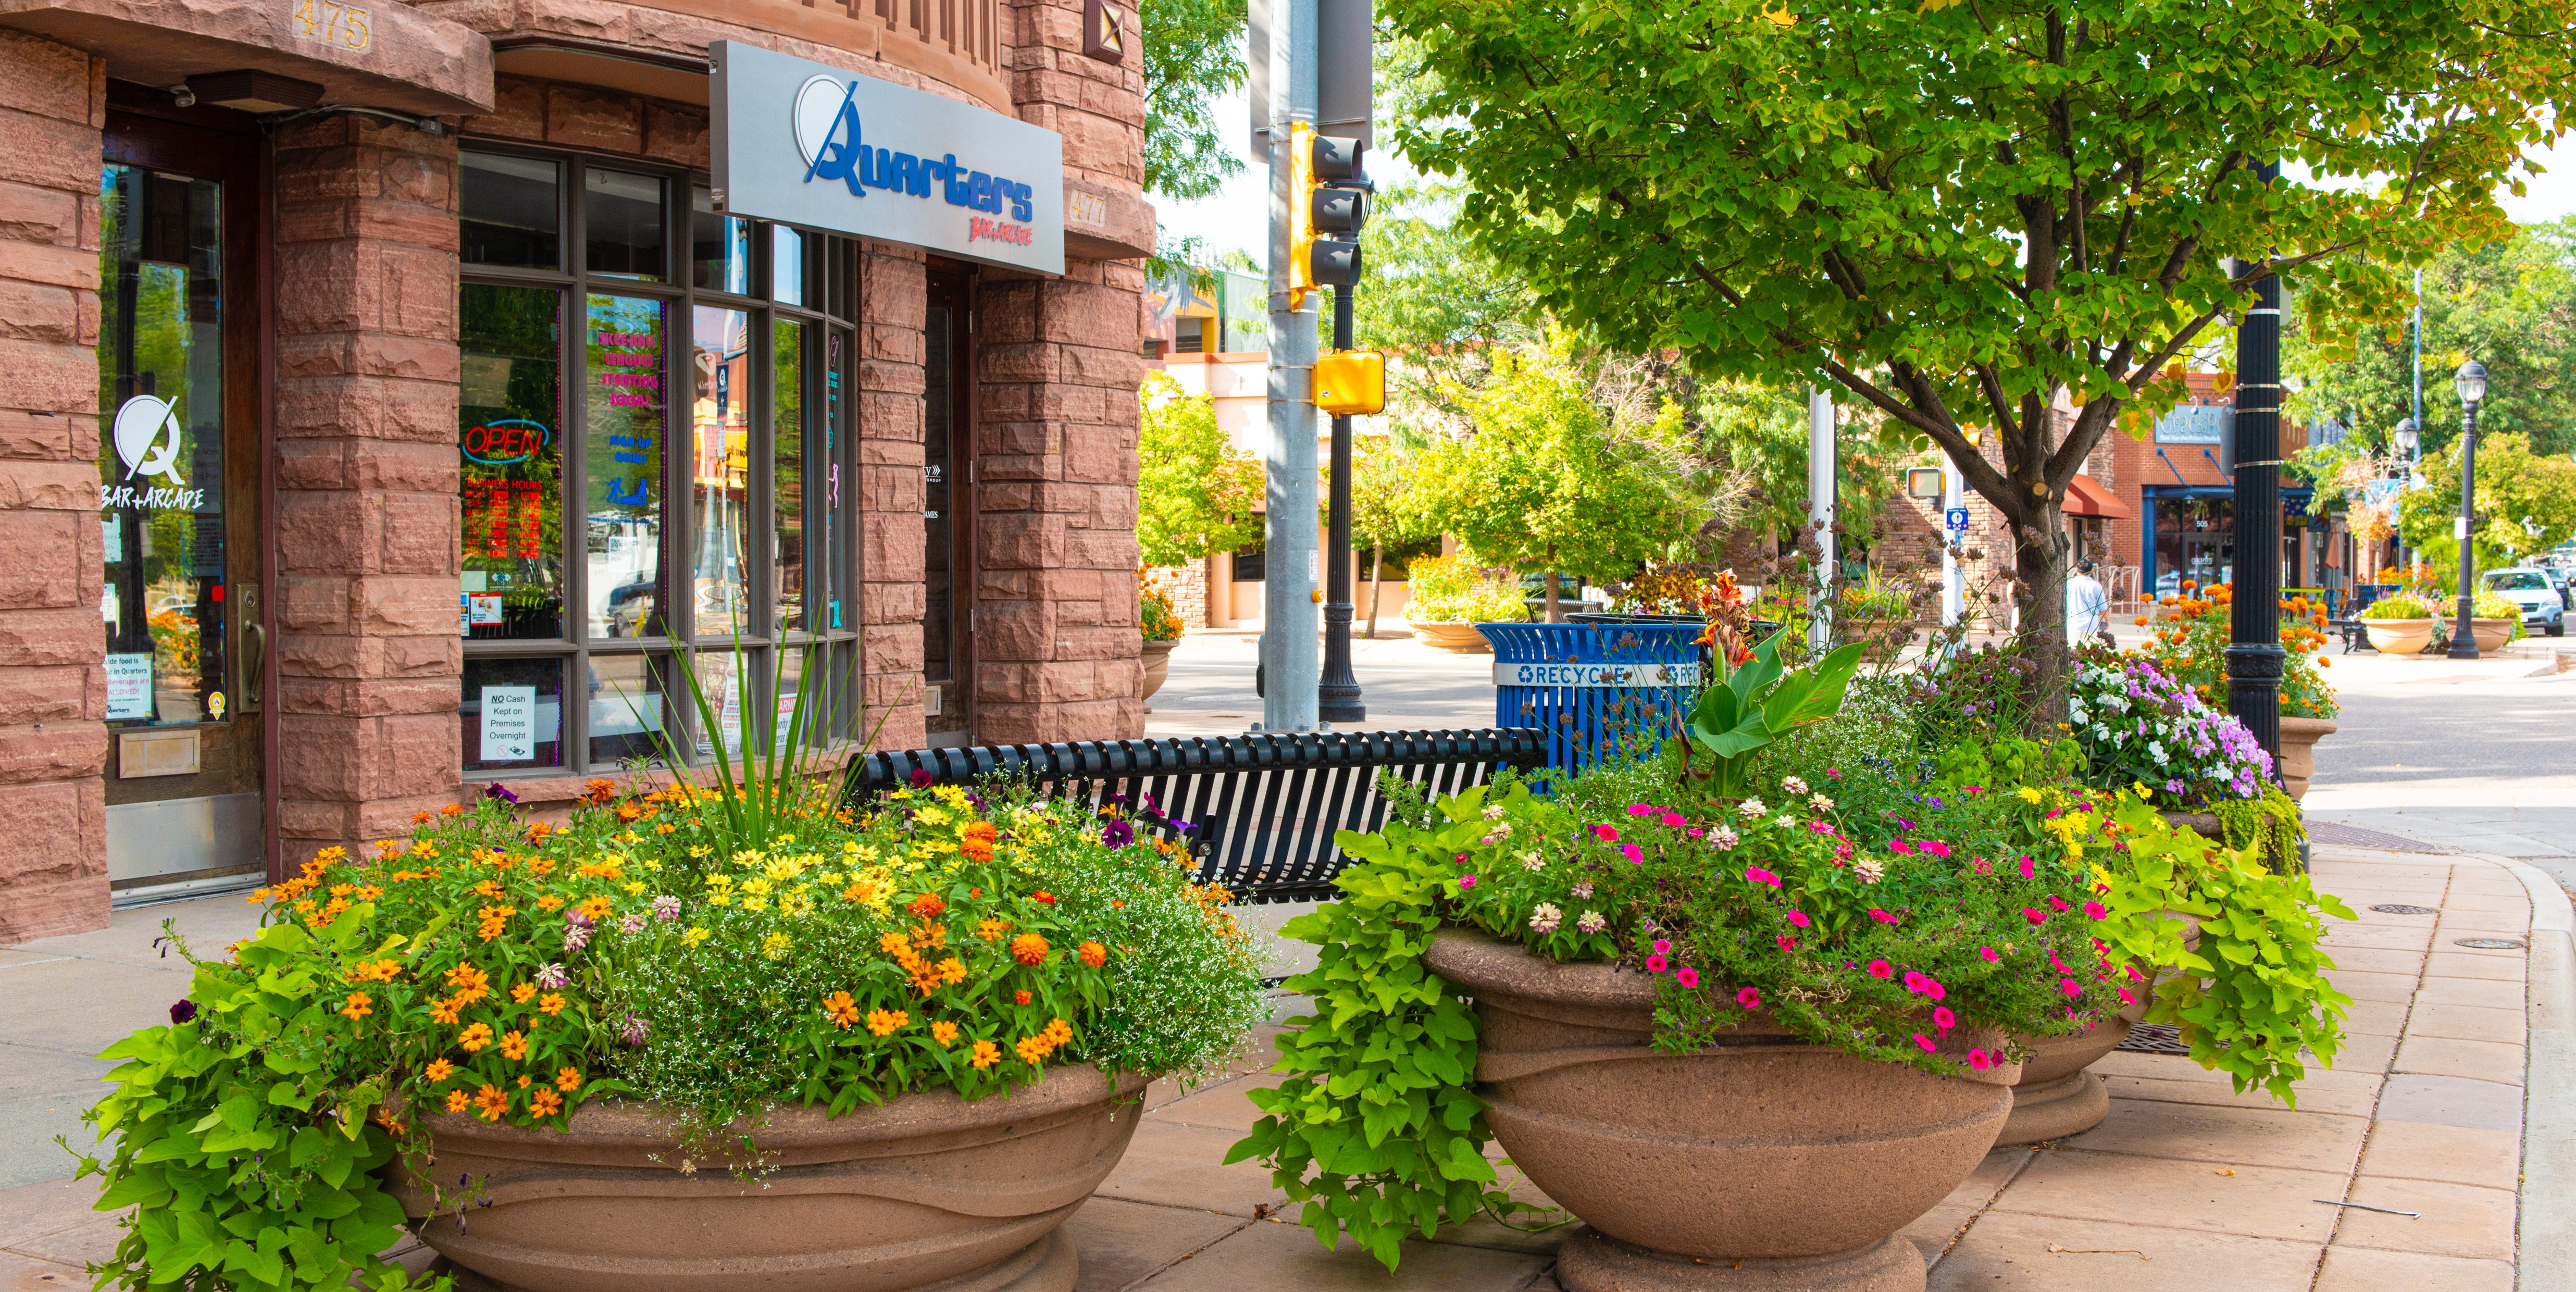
(254, 658)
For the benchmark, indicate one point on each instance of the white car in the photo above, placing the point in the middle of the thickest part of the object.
(2542, 607)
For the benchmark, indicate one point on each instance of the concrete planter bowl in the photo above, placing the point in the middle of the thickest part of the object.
(929, 1191)
(2299, 737)
(2492, 634)
(2058, 1095)
(2399, 636)
(1761, 1162)
(1158, 665)
(1462, 638)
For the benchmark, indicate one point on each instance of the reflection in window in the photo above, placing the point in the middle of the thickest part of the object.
(787, 474)
(719, 247)
(827, 472)
(509, 442)
(624, 223)
(725, 679)
(512, 713)
(161, 445)
(511, 209)
(719, 468)
(624, 402)
(786, 266)
(630, 709)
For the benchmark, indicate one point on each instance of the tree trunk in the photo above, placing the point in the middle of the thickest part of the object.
(1552, 615)
(2040, 560)
(1377, 566)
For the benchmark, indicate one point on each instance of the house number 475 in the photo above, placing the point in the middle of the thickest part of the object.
(344, 25)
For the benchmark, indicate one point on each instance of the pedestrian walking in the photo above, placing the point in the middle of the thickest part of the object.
(2087, 605)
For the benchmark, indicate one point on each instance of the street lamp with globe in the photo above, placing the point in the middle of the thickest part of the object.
(2471, 383)
(2410, 445)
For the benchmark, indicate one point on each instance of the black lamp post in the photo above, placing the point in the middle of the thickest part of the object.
(2471, 382)
(1337, 691)
(2254, 656)
(2410, 444)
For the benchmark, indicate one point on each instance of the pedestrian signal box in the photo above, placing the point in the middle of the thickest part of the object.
(1350, 382)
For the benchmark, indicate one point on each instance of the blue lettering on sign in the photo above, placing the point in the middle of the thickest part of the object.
(839, 155)
(842, 156)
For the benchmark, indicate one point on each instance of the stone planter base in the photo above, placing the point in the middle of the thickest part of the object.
(2398, 636)
(2299, 737)
(1462, 638)
(1158, 665)
(2070, 1105)
(1048, 1265)
(1593, 1262)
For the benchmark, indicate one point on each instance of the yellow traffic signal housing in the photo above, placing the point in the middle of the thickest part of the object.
(1301, 213)
(1350, 382)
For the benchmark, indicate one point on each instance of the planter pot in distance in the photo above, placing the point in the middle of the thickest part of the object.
(1760, 1162)
(1462, 638)
(2492, 634)
(1158, 665)
(2399, 636)
(2299, 737)
(928, 1191)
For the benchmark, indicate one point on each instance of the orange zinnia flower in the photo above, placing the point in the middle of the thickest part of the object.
(490, 1102)
(943, 1032)
(523, 992)
(545, 1103)
(551, 1003)
(885, 1022)
(357, 1006)
(842, 1010)
(438, 1070)
(458, 1101)
(986, 1055)
(444, 1011)
(514, 1046)
(475, 1037)
(568, 1080)
(1093, 954)
(1029, 949)
(927, 906)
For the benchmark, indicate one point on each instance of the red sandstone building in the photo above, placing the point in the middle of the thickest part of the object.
(442, 401)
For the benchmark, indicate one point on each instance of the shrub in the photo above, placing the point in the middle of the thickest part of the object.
(1447, 590)
(2397, 605)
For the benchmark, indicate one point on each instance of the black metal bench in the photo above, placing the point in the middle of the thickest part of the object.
(2352, 632)
(1259, 811)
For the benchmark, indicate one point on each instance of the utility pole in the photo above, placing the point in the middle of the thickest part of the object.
(1345, 90)
(1290, 665)
(2254, 656)
(1954, 585)
(1820, 507)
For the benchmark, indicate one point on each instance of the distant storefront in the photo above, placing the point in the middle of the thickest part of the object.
(453, 375)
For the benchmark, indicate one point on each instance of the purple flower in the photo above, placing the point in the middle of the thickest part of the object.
(552, 977)
(183, 1011)
(666, 907)
(1119, 833)
(632, 923)
(496, 790)
(636, 1030)
(1466, 882)
(920, 779)
(576, 936)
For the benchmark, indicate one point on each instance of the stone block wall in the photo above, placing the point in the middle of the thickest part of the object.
(53, 684)
(369, 662)
(893, 302)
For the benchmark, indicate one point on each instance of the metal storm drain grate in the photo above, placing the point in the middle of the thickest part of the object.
(2492, 944)
(2401, 908)
(2155, 1038)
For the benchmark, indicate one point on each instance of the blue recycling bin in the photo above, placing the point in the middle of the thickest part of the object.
(1596, 689)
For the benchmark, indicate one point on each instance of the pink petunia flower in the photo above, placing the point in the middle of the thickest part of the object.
(2058, 904)
(1656, 964)
(1983, 866)
(2026, 869)
(1980, 1060)
(2070, 987)
(1686, 976)
(1942, 1018)
(2034, 915)
(1638, 809)
(1696, 832)
(1989, 954)
(1663, 946)
(1932, 987)
(1799, 918)
(1899, 845)
(1926, 1042)
(1937, 849)
(1914, 981)
(1610, 834)
(1881, 916)
(1881, 969)
(1675, 820)
(1749, 998)
(2126, 998)
(2095, 910)
(1758, 875)
(1633, 853)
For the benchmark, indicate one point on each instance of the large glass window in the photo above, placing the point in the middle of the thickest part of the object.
(712, 518)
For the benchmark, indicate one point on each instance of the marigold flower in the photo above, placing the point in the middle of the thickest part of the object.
(544, 1103)
(475, 1037)
(928, 906)
(1093, 954)
(842, 1010)
(438, 1070)
(986, 1054)
(1021, 997)
(458, 1101)
(885, 1022)
(490, 1102)
(357, 1006)
(1029, 949)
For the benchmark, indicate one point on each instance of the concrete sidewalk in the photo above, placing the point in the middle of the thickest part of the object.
(2186, 1185)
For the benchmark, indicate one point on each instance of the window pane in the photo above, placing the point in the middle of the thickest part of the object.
(791, 680)
(720, 247)
(724, 678)
(509, 422)
(719, 467)
(622, 452)
(630, 710)
(511, 209)
(624, 229)
(786, 265)
(787, 474)
(161, 445)
(842, 255)
(512, 713)
(835, 536)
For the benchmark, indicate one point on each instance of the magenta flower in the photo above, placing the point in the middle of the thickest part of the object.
(1926, 1042)
(2070, 987)
(1979, 1060)
(1606, 833)
(1663, 946)
(1881, 916)
(1633, 853)
(1914, 981)
(1656, 963)
(1881, 969)
(1686, 976)
(1899, 845)
(1696, 832)
(1983, 866)
(1466, 882)
(1758, 875)
(1937, 849)
(1799, 918)
(1638, 809)
(1932, 987)
(1989, 954)
(1942, 1018)
(2058, 904)
(1675, 820)
(2095, 910)
(1786, 942)
(2034, 915)
(2126, 998)
(2134, 975)
(1749, 998)
(2026, 870)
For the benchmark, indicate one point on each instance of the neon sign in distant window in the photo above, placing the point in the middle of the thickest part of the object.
(506, 442)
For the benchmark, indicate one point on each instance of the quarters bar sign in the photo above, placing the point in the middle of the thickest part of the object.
(1622, 676)
(809, 144)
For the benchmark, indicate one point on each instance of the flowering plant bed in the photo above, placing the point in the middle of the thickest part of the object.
(2190, 645)
(672, 952)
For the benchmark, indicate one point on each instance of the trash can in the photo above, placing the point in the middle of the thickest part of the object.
(1597, 689)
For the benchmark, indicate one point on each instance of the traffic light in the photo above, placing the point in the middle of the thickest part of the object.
(1327, 205)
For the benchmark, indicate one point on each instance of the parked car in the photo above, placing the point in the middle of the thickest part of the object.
(2543, 606)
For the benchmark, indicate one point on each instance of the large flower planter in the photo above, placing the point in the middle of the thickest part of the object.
(2399, 636)
(1462, 638)
(1158, 665)
(2057, 1095)
(2492, 634)
(928, 1191)
(2299, 737)
(1760, 1162)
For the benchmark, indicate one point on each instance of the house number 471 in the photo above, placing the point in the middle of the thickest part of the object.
(344, 25)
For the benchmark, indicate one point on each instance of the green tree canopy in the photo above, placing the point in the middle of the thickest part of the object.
(1956, 211)
(2526, 504)
(1193, 56)
(1196, 493)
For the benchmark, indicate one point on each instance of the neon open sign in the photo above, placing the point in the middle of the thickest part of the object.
(506, 442)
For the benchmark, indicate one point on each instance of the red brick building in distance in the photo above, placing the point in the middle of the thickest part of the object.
(441, 403)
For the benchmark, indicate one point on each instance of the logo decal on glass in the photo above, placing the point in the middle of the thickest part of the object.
(141, 424)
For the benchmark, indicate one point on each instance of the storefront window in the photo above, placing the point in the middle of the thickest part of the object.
(2195, 540)
(705, 520)
(161, 446)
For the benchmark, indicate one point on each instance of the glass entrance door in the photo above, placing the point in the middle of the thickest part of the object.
(948, 521)
(178, 449)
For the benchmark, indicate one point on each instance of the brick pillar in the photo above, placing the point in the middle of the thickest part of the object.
(369, 662)
(894, 299)
(1057, 642)
(53, 683)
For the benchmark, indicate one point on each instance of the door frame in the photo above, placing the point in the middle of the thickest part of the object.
(143, 129)
(953, 285)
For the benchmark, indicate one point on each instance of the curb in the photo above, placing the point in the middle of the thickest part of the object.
(2546, 1234)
